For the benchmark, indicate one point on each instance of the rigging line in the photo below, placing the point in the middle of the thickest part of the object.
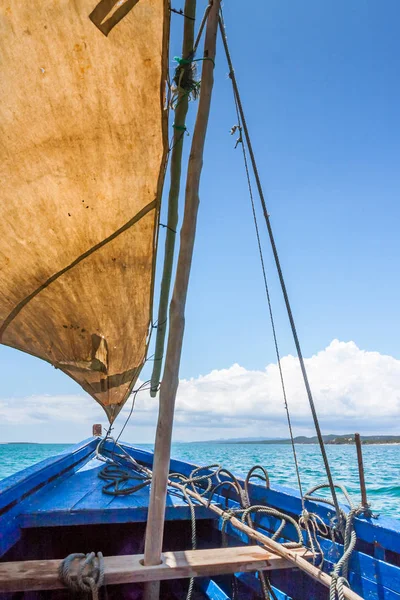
(201, 28)
(246, 166)
(182, 14)
(141, 388)
(279, 269)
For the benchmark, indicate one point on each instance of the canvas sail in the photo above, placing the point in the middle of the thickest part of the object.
(83, 146)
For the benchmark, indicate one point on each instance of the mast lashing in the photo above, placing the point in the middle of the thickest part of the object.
(170, 380)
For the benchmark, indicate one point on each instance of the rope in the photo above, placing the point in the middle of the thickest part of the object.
(202, 25)
(313, 525)
(340, 570)
(117, 477)
(90, 574)
(206, 481)
(278, 265)
(278, 357)
(181, 13)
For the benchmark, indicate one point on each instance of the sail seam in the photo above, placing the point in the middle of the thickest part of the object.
(13, 314)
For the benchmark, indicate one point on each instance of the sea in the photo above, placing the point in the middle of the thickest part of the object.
(381, 465)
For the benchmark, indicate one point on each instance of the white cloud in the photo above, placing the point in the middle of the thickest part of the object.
(353, 389)
(350, 387)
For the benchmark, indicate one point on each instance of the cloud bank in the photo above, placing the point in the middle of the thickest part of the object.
(353, 390)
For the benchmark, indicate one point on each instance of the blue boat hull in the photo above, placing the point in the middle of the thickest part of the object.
(58, 507)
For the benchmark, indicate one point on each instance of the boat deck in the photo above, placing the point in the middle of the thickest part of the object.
(65, 491)
(80, 500)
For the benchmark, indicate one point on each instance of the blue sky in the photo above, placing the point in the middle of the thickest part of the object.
(320, 86)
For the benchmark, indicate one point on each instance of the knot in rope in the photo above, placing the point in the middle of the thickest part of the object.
(313, 525)
(90, 574)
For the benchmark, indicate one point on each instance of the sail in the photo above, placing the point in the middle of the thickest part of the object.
(82, 153)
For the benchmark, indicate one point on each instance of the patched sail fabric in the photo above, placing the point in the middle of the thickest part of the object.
(83, 146)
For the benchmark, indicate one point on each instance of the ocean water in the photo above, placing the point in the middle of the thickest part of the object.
(381, 463)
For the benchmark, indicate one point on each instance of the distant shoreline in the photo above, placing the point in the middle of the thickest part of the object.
(329, 440)
(365, 443)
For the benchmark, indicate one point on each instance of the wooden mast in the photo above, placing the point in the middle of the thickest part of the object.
(180, 113)
(170, 380)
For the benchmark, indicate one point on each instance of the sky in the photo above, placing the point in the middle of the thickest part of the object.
(320, 87)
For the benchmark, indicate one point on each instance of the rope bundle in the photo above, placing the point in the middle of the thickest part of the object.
(89, 576)
(209, 480)
(344, 526)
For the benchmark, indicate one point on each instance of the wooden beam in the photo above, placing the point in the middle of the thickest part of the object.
(170, 380)
(34, 575)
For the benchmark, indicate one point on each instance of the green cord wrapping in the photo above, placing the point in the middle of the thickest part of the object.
(188, 61)
(185, 83)
(179, 127)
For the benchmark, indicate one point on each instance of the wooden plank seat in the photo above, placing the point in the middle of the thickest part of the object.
(43, 574)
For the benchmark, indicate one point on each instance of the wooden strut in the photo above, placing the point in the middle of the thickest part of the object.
(363, 488)
(34, 575)
(170, 380)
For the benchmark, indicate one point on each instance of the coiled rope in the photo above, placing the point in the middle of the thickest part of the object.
(90, 574)
(208, 481)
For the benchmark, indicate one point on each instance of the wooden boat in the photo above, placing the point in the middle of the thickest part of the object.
(84, 156)
(58, 507)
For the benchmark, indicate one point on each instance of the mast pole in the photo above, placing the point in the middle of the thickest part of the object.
(181, 110)
(170, 380)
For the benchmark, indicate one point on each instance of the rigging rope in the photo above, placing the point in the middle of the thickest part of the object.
(279, 269)
(246, 166)
(340, 571)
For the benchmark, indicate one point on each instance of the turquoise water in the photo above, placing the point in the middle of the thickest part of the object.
(382, 465)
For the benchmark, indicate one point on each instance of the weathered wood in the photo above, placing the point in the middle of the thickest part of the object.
(43, 574)
(364, 500)
(169, 385)
(179, 125)
(97, 429)
(163, 437)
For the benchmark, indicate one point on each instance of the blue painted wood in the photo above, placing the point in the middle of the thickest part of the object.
(368, 567)
(383, 531)
(14, 488)
(211, 589)
(367, 589)
(80, 500)
(369, 577)
(101, 516)
(66, 490)
(381, 573)
(251, 581)
(17, 490)
(66, 494)
(379, 552)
